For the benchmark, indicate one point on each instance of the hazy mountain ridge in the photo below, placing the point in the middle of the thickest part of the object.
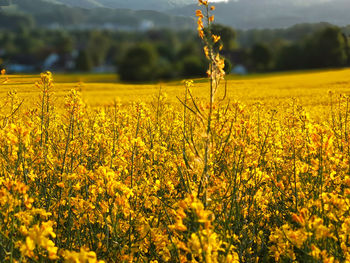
(248, 14)
(81, 3)
(129, 4)
(57, 13)
(240, 14)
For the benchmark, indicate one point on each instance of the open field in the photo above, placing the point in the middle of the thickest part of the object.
(310, 88)
(255, 170)
(266, 179)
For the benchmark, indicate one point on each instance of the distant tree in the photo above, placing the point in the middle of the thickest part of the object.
(228, 66)
(64, 43)
(190, 48)
(326, 49)
(139, 64)
(98, 46)
(228, 36)
(27, 44)
(166, 51)
(84, 62)
(16, 22)
(261, 56)
(347, 48)
(166, 70)
(192, 66)
(290, 57)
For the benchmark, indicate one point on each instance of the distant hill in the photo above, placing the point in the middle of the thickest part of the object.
(94, 14)
(126, 4)
(248, 14)
(131, 14)
(79, 3)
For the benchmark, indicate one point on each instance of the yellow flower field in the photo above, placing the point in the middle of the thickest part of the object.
(255, 169)
(83, 178)
(310, 88)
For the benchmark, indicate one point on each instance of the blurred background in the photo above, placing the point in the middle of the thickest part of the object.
(157, 40)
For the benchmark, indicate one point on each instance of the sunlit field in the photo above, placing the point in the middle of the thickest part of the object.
(141, 179)
(310, 88)
(247, 169)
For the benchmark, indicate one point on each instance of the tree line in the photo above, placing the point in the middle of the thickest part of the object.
(164, 54)
(325, 48)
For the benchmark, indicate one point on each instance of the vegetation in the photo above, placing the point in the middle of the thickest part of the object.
(139, 64)
(310, 88)
(198, 180)
(177, 54)
(96, 181)
(270, 14)
(47, 13)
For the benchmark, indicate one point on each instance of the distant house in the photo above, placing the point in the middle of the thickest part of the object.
(146, 25)
(59, 62)
(50, 61)
(239, 70)
(22, 63)
(20, 68)
(239, 58)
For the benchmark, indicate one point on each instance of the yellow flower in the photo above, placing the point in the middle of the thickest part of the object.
(216, 38)
(83, 256)
(30, 245)
(60, 184)
(199, 13)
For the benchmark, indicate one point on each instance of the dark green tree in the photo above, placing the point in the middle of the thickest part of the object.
(326, 49)
(228, 36)
(190, 48)
(64, 43)
(290, 57)
(261, 57)
(98, 47)
(139, 64)
(347, 48)
(228, 66)
(84, 61)
(193, 66)
(16, 22)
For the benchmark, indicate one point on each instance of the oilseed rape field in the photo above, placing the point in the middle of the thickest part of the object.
(251, 169)
(310, 88)
(123, 181)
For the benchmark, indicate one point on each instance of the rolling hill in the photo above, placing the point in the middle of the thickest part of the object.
(240, 14)
(129, 4)
(248, 14)
(95, 14)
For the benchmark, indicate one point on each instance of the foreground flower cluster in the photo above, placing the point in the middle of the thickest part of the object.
(150, 183)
